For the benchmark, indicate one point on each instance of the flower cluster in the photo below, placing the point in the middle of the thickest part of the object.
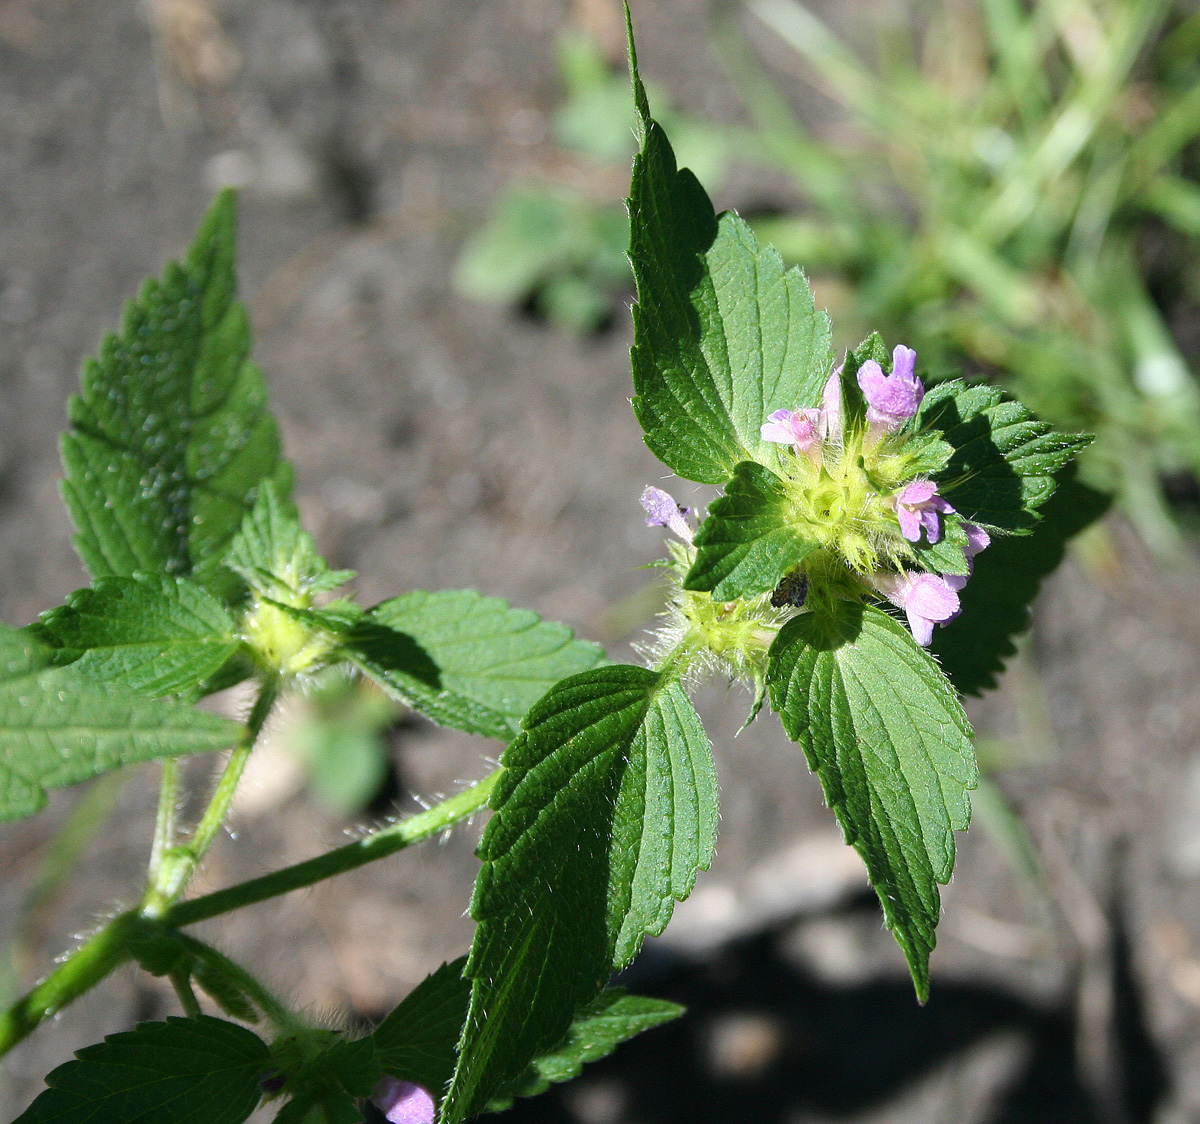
(858, 493)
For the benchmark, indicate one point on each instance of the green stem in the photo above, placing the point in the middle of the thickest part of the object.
(674, 664)
(79, 972)
(109, 948)
(164, 821)
(378, 845)
(187, 997)
(176, 866)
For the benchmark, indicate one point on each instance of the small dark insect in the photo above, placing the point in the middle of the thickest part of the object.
(791, 591)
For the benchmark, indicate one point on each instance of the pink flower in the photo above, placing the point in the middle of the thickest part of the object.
(402, 1102)
(977, 539)
(806, 430)
(663, 511)
(917, 506)
(891, 399)
(927, 599)
(793, 427)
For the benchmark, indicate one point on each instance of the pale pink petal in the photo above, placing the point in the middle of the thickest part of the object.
(779, 433)
(910, 523)
(402, 1102)
(830, 414)
(922, 629)
(917, 505)
(662, 510)
(931, 523)
(932, 598)
(927, 599)
(977, 539)
(917, 492)
(904, 361)
(891, 399)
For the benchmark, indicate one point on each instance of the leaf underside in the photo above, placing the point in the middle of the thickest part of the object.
(884, 732)
(604, 813)
(417, 1041)
(598, 1029)
(465, 660)
(170, 433)
(58, 727)
(182, 1071)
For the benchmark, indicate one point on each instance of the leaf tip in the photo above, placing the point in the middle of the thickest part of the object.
(640, 101)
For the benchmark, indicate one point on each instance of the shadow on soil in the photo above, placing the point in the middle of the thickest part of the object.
(838, 1052)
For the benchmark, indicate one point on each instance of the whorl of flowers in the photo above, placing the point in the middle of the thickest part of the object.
(855, 488)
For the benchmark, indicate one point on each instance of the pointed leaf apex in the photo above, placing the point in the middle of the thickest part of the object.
(640, 101)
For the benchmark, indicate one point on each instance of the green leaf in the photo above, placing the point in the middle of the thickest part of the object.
(170, 433)
(182, 1071)
(973, 648)
(949, 554)
(154, 634)
(884, 732)
(596, 1032)
(58, 727)
(854, 405)
(464, 660)
(1004, 461)
(275, 556)
(748, 543)
(418, 1041)
(605, 811)
(723, 335)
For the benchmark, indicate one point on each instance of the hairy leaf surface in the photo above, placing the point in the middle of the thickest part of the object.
(723, 334)
(182, 1071)
(58, 727)
(465, 660)
(884, 732)
(154, 634)
(274, 555)
(749, 541)
(170, 433)
(604, 813)
(1004, 461)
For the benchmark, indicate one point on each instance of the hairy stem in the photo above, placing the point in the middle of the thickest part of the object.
(82, 969)
(377, 845)
(164, 821)
(177, 865)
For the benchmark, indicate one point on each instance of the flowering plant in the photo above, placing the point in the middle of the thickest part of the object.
(845, 491)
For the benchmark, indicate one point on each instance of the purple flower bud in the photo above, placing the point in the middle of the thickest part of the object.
(891, 399)
(662, 511)
(402, 1102)
(829, 419)
(917, 506)
(977, 539)
(927, 599)
(793, 427)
